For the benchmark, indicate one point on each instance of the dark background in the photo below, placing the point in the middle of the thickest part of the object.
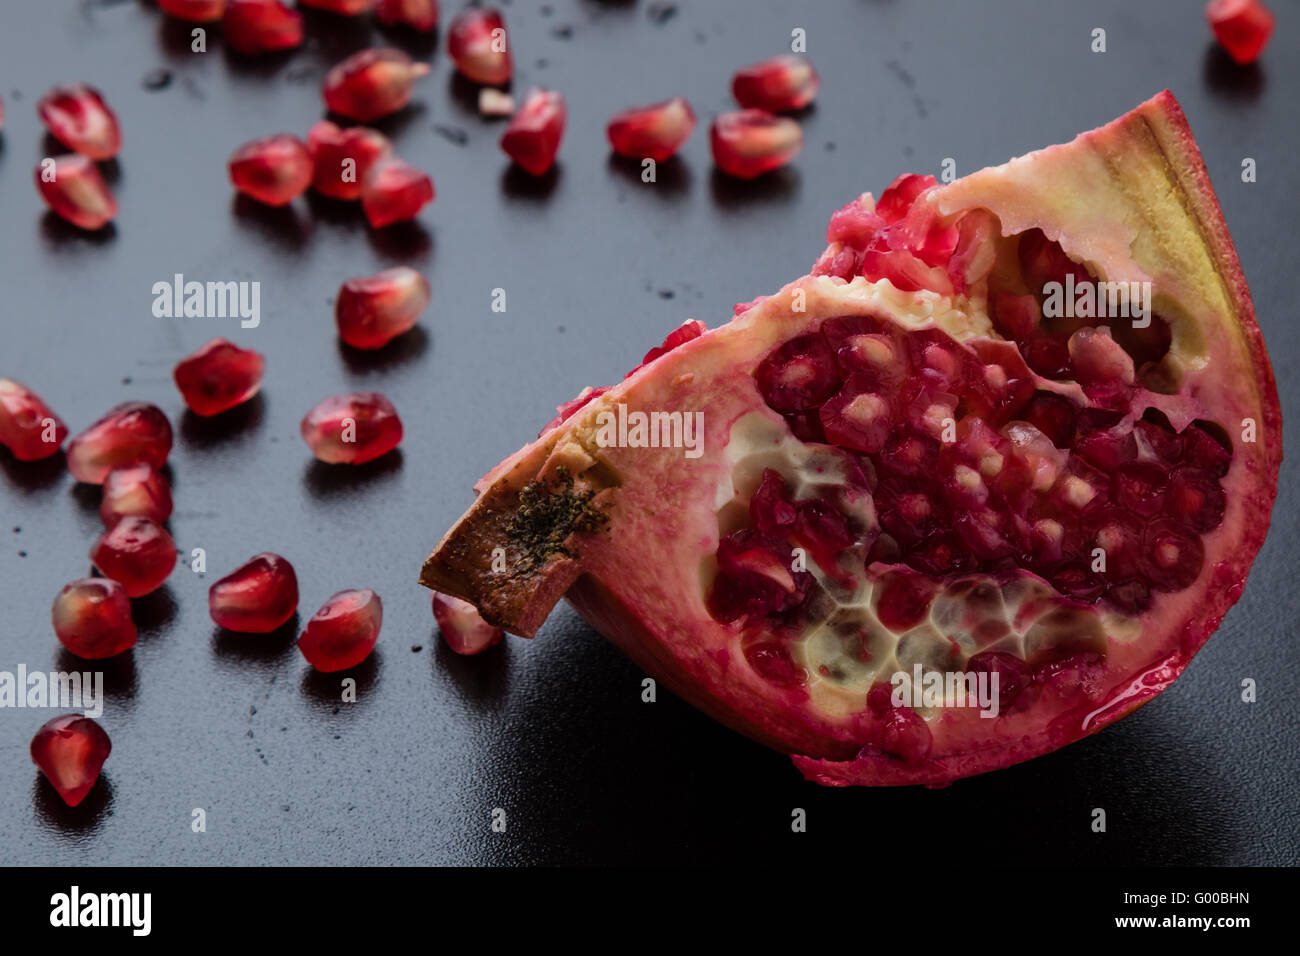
(597, 267)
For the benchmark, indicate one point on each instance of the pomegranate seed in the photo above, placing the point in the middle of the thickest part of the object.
(371, 84)
(1242, 26)
(1196, 499)
(688, 330)
(1172, 556)
(342, 158)
(461, 626)
(906, 734)
(373, 310)
(492, 102)
(137, 552)
(352, 429)
(533, 137)
(195, 11)
(478, 46)
(28, 427)
(79, 118)
(394, 192)
(1013, 674)
(899, 196)
(92, 618)
(343, 632)
(749, 143)
(417, 14)
(70, 751)
(652, 132)
(276, 170)
(1201, 450)
(798, 375)
(131, 432)
(771, 661)
(218, 376)
(136, 490)
(1016, 316)
(903, 600)
(778, 85)
(257, 597)
(76, 191)
(261, 26)
(348, 8)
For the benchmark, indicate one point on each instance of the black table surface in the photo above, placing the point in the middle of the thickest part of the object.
(597, 266)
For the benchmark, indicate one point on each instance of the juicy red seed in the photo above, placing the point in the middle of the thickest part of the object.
(275, 170)
(352, 429)
(478, 45)
(348, 8)
(342, 158)
(78, 117)
(131, 432)
(748, 143)
(135, 490)
(1107, 449)
(1014, 675)
(911, 456)
(823, 531)
(1076, 580)
(28, 427)
(1242, 26)
(904, 271)
(1097, 359)
(1199, 449)
(136, 552)
(70, 751)
(72, 186)
(903, 600)
(941, 553)
(652, 132)
(899, 195)
(1042, 261)
(1140, 487)
(218, 377)
(1119, 534)
(799, 375)
(1016, 316)
(257, 597)
(1159, 440)
(371, 84)
(770, 507)
(854, 225)
(394, 192)
(754, 579)
(373, 310)
(195, 11)
(1053, 415)
(92, 618)
(771, 661)
(567, 410)
(533, 137)
(906, 734)
(461, 626)
(261, 26)
(858, 418)
(778, 85)
(688, 330)
(419, 15)
(1196, 499)
(343, 632)
(1047, 355)
(1171, 555)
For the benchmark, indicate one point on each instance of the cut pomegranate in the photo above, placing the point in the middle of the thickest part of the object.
(533, 137)
(70, 751)
(778, 85)
(343, 632)
(92, 618)
(261, 26)
(371, 84)
(341, 158)
(77, 116)
(652, 132)
(195, 11)
(1243, 27)
(352, 429)
(373, 310)
(276, 170)
(218, 377)
(348, 8)
(892, 481)
(461, 627)
(136, 552)
(394, 192)
(257, 597)
(135, 490)
(749, 143)
(478, 45)
(28, 427)
(131, 432)
(72, 186)
(419, 15)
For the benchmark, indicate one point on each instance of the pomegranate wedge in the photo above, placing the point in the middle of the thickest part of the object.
(855, 524)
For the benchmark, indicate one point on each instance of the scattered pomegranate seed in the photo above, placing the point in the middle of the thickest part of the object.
(78, 117)
(652, 132)
(131, 432)
(373, 310)
(352, 429)
(136, 552)
(28, 427)
(343, 632)
(76, 191)
(461, 626)
(899, 195)
(219, 376)
(341, 158)
(1243, 27)
(261, 26)
(417, 14)
(478, 45)
(394, 192)
(492, 102)
(533, 137)
(136, 490)
(778, 85)
(749, 143)
(195, 11)
(257, 597)
(276, 170)
(371, 84)
(348, 8)
(92, 618)
(70, 751)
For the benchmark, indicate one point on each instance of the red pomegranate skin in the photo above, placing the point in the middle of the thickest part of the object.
(257, 597)
(92, 618)
(70, 751)
(343, 632)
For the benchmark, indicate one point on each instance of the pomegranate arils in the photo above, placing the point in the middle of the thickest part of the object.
(78, 117)
(419, 15)
(341, 158)
(799, 375)
(1243, 27)
(899, 195)
(903, 600)
(135, 490)
(748, 143)
(28, 427)
(371, 84)
(1171, 555)
(906, 734)
(195, 11)
(1199, 449)
(533, 137)
(394, 192)
(257, 597)
(373, 310)
(476, 40)
(461, 626)
(137, 552)
(73, 187)
(348, 8)
(1053, 415)
(1196, 499)
(772, 662)
(1140, 487)
(343, 632)
(92, 618)
(778, 85)
(276, 170)
(688, 330)
(352, 429)
(218, 377)
(261, 26)
(770, 507)
(70, 751)
(652, 132)
(131, 432)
